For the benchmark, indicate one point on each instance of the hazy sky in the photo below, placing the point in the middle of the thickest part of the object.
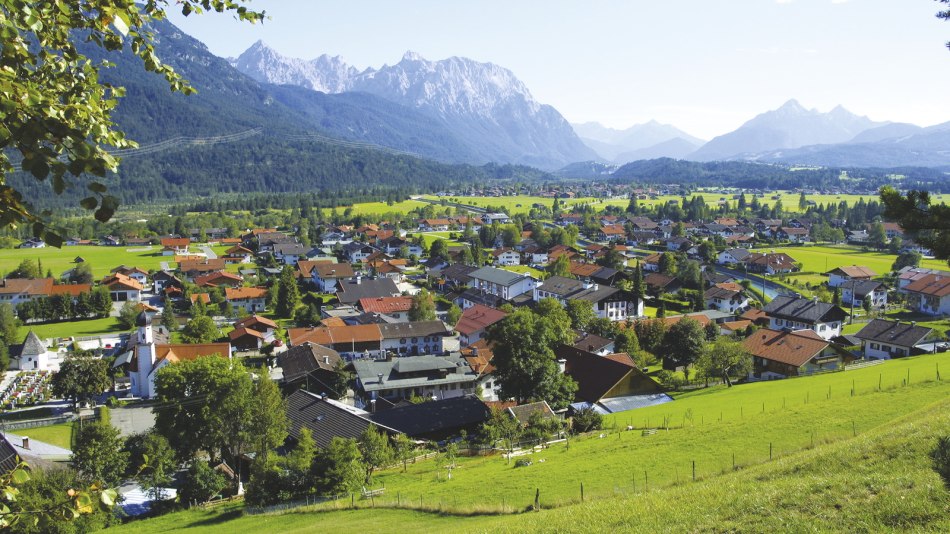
(702, 65)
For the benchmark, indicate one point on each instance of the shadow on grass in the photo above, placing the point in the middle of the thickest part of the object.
(218, 518)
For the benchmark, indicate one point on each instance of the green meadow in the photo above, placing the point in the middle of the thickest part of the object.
(820, 259)
(102, 259)
(818, 444)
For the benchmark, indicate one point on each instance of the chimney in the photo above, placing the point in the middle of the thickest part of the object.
(359, 279)
(562, 365)
(26, 443)
(380, 377)
(326, 360)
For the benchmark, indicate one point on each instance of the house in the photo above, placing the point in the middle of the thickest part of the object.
(139, 275)
(474, 322)
(356, 252)
(32, 355)
(479, 356)
(350, 341)
(327, 276)
(268, 240)
(855, 293)
(732, 255)
(32, 243)
(506, 256)
(883, 340)
(261, 324)
(245, 339)
(312, 366)
(651, 263)
(427, 376)
(238, 254)
(148, 356)
(350, 291)
(612, 232)
(608, 302)
(840, 276)
(728, 297)
(505, 285)
(434, 225)
(419, 337)
(16, 290)
(219, 279)
(165, 279)
(122, 288)
(394, 307)
(609, 384)
(250, 299)
(658, 284)
(909, 275)
(110, 241)
(191, 268)
(796, 313)
(770, 263)
(600, 346)
(676, 244)
(435, 420)
(535, 255)
(492, 218)
(792, 234)
(452, 277)
(929, 294)
(289, 253)
(173, 246)
(786, 353)
(326, 419)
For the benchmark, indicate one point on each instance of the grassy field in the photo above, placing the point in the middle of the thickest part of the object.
(102, 259)
(88, 327)
(381, 208)
(841, 463)
(821, 259)
(59, 435)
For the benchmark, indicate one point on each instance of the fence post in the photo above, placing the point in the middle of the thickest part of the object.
(908, 376)
(880, 377)
(938, 372)
(852, 387)
(854, 430)
(770, 450)
(646, 481)
(694, 470)
(582, 492)
(733, 461)
(352, 500)
(537, 499)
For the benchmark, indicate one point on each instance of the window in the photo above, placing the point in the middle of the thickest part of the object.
(402, 341)
(875, 346)
(488, 385)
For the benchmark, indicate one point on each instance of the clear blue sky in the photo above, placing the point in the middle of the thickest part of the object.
(703, 66)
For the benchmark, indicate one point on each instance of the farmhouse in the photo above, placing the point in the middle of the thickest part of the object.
(251, 299)
(884, 340)
(840, 276)
(929, 294)
(796, 313)
(781, 354)
(474, 322)
(434, 377)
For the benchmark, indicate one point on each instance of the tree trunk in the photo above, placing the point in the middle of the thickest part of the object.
(725, 377)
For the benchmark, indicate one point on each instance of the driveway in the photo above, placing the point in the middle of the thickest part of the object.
(208, 252)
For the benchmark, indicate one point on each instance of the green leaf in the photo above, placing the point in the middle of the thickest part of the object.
(53, 239)
(97, 187)
(89, 203)
(121, 22)
(21, 476)
(107, 497)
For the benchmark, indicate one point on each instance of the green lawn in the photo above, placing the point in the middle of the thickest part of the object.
(89, 327)
(821, 259)
(59, 435)
(381, 208)
(523, 269)
(102, 259)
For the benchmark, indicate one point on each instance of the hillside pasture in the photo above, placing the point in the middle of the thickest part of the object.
(102, 259)
(821, 259)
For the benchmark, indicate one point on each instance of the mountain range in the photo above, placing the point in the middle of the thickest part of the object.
(642, 141)
(483, 105)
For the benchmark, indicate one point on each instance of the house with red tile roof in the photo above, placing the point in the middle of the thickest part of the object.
(785, 353)
(474, 322)
(395, 307)
(251, 299)
(929, 294)
(172, 246)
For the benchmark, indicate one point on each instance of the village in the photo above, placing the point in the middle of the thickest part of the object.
(480, 329)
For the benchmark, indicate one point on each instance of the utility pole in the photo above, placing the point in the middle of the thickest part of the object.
(852, 301)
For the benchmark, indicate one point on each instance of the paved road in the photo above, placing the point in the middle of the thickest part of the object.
(132, 420)
(208, 252)
(770, 288)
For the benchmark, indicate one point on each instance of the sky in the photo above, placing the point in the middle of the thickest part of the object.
(703, 66)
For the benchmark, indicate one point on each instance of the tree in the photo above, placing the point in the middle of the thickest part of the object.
(9, 325)
(80, 378)
(725, 358)
(877, 236)
(453, 315)
(909, 258)
(651, 334)
(525, 364)
(339, 467)
(802, 202)
(439, 249)
(168, 316)
(376, 451)
(201, 483)
(55, 500)
(101, 301)
(268, 424)
(422, 307)
(501, 427)
(128, 313)
(611, 259)
(627, 341)
(561, 267)
(200, 329)
(684, 343)
(98, 454)
(581, 313)
(926, 224)
(151, 461)
(944, 14)
(81, 274)
(940, 458)
(27, 268)
(57, 114)
(288, 294)
(586, 420)
(667, 264)
(403, 449)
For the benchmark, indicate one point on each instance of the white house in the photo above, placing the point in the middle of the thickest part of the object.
(856, 292)
(31, 356)
(797, 313)
(929, 294)
(251, 299)
(726, 297)
(732, 255)
(884, 340)
(506, 256)
(501, 283)
(840, 276)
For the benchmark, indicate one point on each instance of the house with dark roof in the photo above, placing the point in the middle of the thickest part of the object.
(729, 297)
(351, 290)
(883, 340)
(452, 277)
(326, 419)
(732, 255)
(770, 263)
(435, 420)
(413, 338)
(659, 283)
(608, 302)
(856, 292)
(31, 355)
(609, 384)
(435, 377)
(328, 276)
(796, 313)
(474, 322)
(840, 276)
(311, 365)
(501, 283)
(356, 252)
(595, 344)
(786, 353)
(522, 413)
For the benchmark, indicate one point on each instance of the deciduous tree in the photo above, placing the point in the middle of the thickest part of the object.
(422, 307)
(81, 377)
(98, 454)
